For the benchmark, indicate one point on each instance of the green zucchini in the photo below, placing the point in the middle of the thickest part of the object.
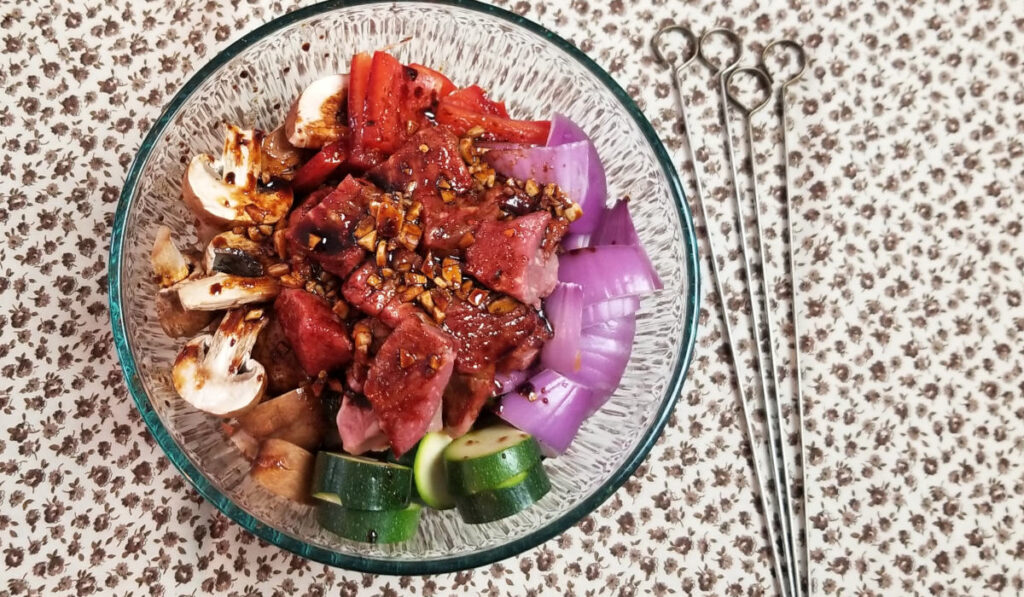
(406, 459)
(384, 526)
(360, 483)
(429, 472)
(484, 459)
(508, 498)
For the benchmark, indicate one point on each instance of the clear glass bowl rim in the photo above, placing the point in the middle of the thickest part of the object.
(360, 563)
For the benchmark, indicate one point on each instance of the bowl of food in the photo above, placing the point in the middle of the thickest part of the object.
(403, 287)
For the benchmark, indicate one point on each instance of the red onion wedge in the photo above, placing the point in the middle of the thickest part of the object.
(616, 308)
(564, 131)
(604, 354)
(616, 227)
(575, 241)
(564, 165)
(507, 381)
(609, 271)
(564, 311)
(549, 407)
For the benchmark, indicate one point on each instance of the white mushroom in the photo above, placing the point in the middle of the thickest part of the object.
(227, 191)
(317, 117)
(169, 265)
(176, 320)
(236, 254)
(279, 158)
(226, 291)
(296, 417)
(215, 373)
(284, 468)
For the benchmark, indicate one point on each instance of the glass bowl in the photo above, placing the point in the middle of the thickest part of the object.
(251, 83)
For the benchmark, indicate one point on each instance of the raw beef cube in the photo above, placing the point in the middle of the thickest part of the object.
(463, 399)
(513, 200)
(524, 353)
(341, 263)
(317, 337)
(507, 256)
(425, 169)
(407, 379)
(322, 226)
(448, 227)
(486, 338)
(361, 295)
(383, 301)
(355, 376)
(358, 426)
(273, 351)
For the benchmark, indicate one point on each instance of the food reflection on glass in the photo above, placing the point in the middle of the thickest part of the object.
(407, 298)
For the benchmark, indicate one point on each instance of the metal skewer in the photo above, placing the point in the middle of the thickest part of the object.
(802, 63)
(678, 68)
(775, 413)
(724, 72)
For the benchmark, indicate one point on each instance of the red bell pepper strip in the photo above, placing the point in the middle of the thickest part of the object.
(358, 84)
(383, 130)
(460, 120)
(472, 98)
(320, 167)
(431, 80)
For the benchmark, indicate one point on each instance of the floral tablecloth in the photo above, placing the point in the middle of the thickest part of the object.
(908, 175)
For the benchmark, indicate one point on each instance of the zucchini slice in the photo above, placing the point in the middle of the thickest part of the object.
(484, 459)
(360, 483)
(429, 471)
(510, 497)
(384, 526)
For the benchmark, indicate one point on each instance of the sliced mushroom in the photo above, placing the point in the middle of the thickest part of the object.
(248, 445)
(227, 191)
(176, 320)
(280, 158)
(236, 254)
(295, 417)
(169, 265)
(318, 116)
(215, 373)
(225, 291)
(285, 469)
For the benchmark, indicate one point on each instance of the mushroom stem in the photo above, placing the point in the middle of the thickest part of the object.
(224, 291)
(169, 265)
(230, 347)
(215, 373)
(241, 159)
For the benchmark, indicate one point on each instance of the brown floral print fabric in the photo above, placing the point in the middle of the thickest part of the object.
(907, 161)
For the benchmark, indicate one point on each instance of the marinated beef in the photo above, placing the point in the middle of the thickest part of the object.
(370, 292)
(485, 338)
(317, 337)
(407, 379)
(358, 426)
(430, 160)
(275, 353)
(508, 256)
(322, 227)
(450, 226)
(465, 395)
(502, 236)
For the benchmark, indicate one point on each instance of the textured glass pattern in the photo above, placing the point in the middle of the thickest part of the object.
(536, 74)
